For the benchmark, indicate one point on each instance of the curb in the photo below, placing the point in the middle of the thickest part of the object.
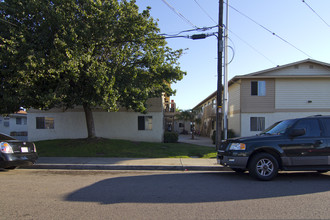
(125, 167)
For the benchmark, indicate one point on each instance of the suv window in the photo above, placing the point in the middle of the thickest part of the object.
(326, 124)
(279, 127)
(311, 127)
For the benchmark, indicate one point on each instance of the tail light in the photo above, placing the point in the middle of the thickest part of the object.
(6, 148)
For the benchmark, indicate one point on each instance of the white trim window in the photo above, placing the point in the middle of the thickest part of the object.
(257, 123)
(258, 88)
(144, 123)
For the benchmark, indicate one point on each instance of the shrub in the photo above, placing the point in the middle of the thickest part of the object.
(170, 137)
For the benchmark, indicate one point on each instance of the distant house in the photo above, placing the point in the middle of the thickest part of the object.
(172, 123)
(207, 115)
(124, 124)
(15, 125)
(259, 99)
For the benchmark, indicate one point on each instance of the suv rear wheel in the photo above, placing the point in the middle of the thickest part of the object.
(263, 166)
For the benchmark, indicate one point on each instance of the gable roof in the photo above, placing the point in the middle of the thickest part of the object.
(284, 71)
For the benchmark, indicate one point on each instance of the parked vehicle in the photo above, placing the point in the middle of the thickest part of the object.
(15, 153)
(296, 144)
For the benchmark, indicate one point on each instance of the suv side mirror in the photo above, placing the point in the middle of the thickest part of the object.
(297, 132)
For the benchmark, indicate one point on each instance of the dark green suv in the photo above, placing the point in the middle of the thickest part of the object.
(296, 144)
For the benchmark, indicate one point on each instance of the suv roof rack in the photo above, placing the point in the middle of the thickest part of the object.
(314, 116)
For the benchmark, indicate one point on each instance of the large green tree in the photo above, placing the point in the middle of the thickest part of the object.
(91, 53)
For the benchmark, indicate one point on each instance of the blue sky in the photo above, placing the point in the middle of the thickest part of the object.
(307, 35)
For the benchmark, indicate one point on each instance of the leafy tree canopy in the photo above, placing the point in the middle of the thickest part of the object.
(95, 53)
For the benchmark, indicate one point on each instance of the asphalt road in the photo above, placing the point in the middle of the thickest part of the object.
(65, 194)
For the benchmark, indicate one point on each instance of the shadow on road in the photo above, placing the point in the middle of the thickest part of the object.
(198, 187)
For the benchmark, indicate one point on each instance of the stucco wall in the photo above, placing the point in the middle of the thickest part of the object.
(114, 125)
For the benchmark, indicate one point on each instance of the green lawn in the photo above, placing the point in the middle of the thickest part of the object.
(120, 148)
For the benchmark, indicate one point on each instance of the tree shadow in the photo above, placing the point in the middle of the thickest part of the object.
(198, 187)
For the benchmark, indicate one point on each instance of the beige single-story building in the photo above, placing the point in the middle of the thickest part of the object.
(124, 124)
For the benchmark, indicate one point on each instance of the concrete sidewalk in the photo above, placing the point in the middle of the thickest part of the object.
(102, 163)
(105, 163)
(198, 140)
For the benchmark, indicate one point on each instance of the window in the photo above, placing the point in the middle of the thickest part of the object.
(326, 124)
(18, 121)
(6, 122)
(257, 123)
(311, 127)
(181, 125)
(20, 133)
(258, 88)
(144, 122)
(45, 123)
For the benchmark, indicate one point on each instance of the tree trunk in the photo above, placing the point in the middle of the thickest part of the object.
(89, 121)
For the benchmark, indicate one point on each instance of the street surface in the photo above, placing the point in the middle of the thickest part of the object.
(65, 194)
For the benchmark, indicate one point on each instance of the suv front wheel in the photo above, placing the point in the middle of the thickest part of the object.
(263, 166)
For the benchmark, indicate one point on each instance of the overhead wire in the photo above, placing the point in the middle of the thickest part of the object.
(315, 12)
(205, 11)
(253, 48)
(179, 14)
(273, 33)
(191, 30)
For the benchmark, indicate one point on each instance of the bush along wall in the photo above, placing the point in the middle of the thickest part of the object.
(170, 137)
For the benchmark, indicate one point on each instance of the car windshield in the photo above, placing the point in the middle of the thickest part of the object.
(4, 137)
(278, 128)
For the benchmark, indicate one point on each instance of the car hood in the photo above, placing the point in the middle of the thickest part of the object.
(253, 138)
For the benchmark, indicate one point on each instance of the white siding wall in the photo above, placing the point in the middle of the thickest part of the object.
(116, 125)
(295, 93)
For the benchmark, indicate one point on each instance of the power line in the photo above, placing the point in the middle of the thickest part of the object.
(315, 12)
(179, 14)
(196, 29)
(241, 13)
(253, 48)
(205, 11)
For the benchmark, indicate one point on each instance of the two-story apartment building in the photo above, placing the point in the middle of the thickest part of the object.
(15, 125)
(257, 100)
(207, 115)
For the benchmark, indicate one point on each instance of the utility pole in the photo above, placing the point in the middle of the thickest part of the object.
(219, 85)
(225, 79)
